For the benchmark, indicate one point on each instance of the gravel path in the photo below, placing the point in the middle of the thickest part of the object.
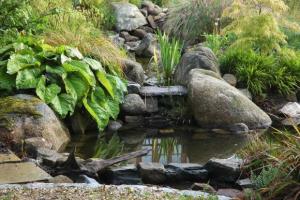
(97, 192)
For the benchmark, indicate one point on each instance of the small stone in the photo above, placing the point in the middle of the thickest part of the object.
(133, 88)
(203, 187)
(245, 183)
(224, 170)
(140, 33)
(147, 29)
(151, 21)
(114, 126)
(152, 173)
(133, 105)
(292, 113)
(133, 71)
(128, 37)
(60, 179)
(231, 79)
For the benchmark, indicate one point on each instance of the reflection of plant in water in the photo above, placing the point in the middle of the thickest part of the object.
(164, 147)
(107, 149)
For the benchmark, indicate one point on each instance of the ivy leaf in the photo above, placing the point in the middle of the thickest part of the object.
(47, 93)
(28, 78)
(63, 104)
(7, 82)
(82, 68)
(94, 64)
(18, 62)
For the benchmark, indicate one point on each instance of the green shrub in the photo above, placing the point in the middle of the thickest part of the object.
(219, 43)
(261, 73)
(62, 78)
(170, 50)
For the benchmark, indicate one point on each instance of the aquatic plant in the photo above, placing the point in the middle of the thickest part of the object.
(108, 149)
(62, 77)
(170, 53)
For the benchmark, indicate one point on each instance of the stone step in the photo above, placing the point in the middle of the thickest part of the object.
(13, 170)
(24, 172)
(151, 91)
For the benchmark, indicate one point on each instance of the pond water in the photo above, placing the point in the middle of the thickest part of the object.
(178, 144)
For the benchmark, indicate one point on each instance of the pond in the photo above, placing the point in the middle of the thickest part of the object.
(172, 145)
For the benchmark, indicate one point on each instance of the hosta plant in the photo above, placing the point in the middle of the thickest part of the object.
(63, 78)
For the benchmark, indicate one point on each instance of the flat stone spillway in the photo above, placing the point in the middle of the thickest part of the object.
(155, 91)
(13, 170)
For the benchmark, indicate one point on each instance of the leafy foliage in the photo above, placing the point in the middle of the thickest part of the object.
(257, 24)
(170, 50)
(62, 78)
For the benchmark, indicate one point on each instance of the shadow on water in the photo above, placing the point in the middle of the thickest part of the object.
(181, 146)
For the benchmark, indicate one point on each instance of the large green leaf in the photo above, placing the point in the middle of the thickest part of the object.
(7, 81)
(28, 78)
(63, 104)
(119, 87)
(18, 62)
(94, 64)
(47, 93)
(114, 107)
(6, 49)
(58, 70)
(101, 76)
(82, 68)
(97, 112)
(76, 86)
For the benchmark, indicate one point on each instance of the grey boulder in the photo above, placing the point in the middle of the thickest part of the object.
(200, 58)
(128, 16)
(216, 104)
(25, 116)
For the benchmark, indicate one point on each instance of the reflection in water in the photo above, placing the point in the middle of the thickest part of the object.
(181, 147)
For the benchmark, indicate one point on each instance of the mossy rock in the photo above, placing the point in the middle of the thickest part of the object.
(25, 116)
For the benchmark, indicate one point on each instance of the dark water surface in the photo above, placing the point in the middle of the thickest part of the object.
(179, 145)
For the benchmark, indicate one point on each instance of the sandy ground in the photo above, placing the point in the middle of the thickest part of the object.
(99, 192)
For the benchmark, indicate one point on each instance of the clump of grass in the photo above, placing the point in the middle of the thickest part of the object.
(274, 163)
(190, 19)
(170, 50)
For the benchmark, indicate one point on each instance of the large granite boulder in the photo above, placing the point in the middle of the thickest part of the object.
(199, 57)
(25, 116)
(133, 71)
(128, 16)
(216, 104)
